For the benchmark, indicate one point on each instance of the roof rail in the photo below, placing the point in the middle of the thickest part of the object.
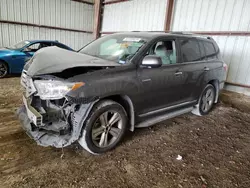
(181, 33)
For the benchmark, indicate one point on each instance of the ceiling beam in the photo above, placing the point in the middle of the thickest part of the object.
(115, 1)
(44, 26)
(221, 33)
(83, 1)
(238, 84)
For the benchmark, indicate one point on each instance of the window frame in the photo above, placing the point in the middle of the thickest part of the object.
(201, 44)
(215, 54)
(181, 57)
(162, 39)
(31, 44)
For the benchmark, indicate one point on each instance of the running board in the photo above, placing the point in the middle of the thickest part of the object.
(164, 117)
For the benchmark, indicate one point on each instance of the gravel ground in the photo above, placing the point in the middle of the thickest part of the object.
(215, 151)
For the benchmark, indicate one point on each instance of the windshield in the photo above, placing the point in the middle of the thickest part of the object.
(117, 48)
(19, 45)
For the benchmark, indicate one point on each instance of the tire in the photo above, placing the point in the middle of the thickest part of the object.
(206, 101)
(95, 138)
(3, 69)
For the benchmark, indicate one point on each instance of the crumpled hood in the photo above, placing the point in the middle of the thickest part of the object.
(53, 60)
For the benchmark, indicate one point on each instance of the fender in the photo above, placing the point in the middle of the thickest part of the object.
(131, 112)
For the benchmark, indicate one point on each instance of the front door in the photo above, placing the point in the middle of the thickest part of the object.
(161, 87)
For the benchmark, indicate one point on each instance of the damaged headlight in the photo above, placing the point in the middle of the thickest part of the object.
(51, 89)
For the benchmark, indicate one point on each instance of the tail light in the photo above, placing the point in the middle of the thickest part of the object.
(225, 67)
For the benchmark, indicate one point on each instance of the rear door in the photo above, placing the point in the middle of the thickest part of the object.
(161, 87)
(193, 66)
(214, 66)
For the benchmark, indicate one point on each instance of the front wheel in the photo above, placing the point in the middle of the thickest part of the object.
(206, 101)
(104, 128)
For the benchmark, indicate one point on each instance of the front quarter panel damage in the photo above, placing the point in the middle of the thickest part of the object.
(46, 138)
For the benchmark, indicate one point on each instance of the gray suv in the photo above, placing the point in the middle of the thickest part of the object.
(117, 83)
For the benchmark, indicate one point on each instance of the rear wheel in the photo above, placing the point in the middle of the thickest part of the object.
(104, 128)
(206, 101)
(3, 69)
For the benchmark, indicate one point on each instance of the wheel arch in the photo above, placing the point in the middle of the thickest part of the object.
(6, 63)
(215, 83)
(127, 104)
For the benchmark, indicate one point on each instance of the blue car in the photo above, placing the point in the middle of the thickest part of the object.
(13, 58)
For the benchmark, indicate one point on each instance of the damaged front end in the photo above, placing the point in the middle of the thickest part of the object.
(52, 122)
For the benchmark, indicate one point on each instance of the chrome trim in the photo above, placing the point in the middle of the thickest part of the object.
(167, 108)
(178, 73)
(206, 69)
(146, 80)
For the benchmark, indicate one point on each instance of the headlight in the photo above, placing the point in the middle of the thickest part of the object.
(52, 90)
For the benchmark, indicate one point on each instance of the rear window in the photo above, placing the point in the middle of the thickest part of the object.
(190, 50)
(210, 50)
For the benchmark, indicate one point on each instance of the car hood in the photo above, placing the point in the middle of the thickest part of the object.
(5, 50)
(53, 60)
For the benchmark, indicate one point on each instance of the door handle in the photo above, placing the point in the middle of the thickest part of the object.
(206, 69)
(146, 80)
(178, 73)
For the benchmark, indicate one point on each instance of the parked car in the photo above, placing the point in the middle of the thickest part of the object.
(118, 82)
(13, 58)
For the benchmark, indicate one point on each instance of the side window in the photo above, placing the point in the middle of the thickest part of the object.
(203, 52)
(166, 50)
(210, 50)
(32, 47)
(190, 50)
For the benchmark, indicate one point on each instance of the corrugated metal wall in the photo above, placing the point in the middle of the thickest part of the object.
(134, 15)
(220, 15)
(211, 15)
(58, 13)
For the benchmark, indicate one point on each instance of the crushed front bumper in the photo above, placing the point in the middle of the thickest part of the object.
(51, 138)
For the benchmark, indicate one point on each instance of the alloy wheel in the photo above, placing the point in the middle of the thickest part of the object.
(207, 100)
(107, 129)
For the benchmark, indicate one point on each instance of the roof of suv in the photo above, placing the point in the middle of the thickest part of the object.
(149, 35)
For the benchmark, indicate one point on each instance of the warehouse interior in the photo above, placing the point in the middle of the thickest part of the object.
(186, 151)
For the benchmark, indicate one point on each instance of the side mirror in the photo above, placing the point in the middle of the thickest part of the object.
(152, 61)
